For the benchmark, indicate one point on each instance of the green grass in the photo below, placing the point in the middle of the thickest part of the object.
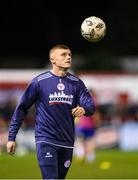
(124, 165)
(19, 167)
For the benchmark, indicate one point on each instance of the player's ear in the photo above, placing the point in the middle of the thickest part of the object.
(52, 59)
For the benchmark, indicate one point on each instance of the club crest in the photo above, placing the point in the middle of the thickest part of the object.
(61, 86)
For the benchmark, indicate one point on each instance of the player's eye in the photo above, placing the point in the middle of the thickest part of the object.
(65, 54)
(70, 54)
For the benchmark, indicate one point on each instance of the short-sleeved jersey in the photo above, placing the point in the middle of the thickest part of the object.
(54, 98)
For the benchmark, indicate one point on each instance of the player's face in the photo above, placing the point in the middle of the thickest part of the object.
(61, 58)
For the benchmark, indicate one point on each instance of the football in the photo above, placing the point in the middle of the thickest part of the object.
(93, 29)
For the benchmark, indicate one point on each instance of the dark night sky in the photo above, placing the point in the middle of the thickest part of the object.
(31, 28)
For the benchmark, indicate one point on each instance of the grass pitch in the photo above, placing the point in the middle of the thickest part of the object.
(109, 164)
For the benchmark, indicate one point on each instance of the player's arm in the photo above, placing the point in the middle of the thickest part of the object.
(28, 98)
(78, 111)
(85, 100)
(11, 145)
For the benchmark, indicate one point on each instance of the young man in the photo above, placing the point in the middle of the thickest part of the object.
(59, 97)
(85, 131)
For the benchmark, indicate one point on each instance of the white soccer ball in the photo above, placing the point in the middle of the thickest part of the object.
(93, 29)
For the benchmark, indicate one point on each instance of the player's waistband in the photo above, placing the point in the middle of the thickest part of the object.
(54, 142)
(59, 145)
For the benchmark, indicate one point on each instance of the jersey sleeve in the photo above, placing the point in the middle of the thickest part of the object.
(86, 100)
(27, 100)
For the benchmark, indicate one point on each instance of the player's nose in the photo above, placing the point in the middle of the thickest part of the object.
(69, 57)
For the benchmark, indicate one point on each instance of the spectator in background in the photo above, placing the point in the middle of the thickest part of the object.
(85, 131)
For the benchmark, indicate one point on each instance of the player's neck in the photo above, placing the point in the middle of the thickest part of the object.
(59, 72)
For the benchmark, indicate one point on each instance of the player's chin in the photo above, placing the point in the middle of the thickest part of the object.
(67, 66)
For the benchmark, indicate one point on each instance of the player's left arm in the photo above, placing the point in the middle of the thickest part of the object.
(86, 104)
(78, 111)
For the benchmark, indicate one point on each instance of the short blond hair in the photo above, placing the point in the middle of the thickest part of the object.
(59, 46)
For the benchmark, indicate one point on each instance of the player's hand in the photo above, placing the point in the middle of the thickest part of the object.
(11, 145)
(78, 111)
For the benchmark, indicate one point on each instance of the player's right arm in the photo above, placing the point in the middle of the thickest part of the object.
(11, 145)
(28, 98)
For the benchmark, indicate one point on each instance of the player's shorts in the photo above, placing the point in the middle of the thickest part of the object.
(54, 161)
(85, 133)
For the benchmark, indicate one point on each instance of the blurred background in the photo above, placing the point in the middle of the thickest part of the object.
(109, 68)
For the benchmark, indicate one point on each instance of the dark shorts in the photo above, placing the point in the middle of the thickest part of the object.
(85, 133)
(54, 161)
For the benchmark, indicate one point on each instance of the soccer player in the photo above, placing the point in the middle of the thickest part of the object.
(59, 97)
(85, 131)
(85, 145)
